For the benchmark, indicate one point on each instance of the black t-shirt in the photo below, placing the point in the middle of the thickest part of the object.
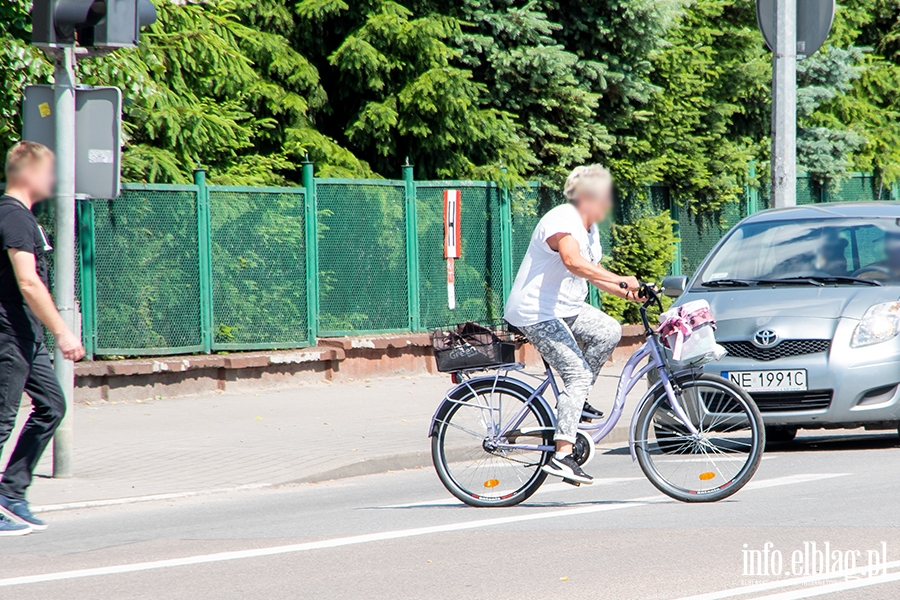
(19, 230)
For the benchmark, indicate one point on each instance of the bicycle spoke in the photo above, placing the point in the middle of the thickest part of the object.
(685, 465)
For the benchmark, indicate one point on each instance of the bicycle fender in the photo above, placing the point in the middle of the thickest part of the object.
(447, 403)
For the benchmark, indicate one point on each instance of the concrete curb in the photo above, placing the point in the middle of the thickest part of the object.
(413, 460)
(418, 459)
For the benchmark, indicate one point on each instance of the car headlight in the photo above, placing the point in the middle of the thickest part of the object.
(880, 323)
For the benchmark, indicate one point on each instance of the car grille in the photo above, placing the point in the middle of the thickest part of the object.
(780, 350)
(791, 401)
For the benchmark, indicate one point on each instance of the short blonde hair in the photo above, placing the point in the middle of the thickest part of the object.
(580, 174)
(23, 155)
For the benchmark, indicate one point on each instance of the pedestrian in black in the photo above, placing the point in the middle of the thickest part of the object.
(26, 308)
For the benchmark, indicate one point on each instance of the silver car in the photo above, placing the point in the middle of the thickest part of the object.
(807, 301)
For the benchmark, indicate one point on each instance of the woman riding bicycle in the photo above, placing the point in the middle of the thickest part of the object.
(547, 303)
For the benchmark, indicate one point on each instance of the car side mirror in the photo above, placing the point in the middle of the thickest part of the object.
(674, 285)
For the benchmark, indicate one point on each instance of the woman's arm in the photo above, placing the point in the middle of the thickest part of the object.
(570, 253)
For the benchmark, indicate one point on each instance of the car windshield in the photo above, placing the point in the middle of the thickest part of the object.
(827, 251)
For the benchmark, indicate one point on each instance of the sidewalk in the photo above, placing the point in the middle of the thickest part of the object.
(222, 441)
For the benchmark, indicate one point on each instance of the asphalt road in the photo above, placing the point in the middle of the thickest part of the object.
(400, 535)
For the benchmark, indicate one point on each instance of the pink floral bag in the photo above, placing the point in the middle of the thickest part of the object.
(689, 332)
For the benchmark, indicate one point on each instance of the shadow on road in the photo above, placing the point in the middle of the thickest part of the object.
(820, 442)
(837, 442)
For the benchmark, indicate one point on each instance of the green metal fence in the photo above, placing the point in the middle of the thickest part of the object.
(167, 269)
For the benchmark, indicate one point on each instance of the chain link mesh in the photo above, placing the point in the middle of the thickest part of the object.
(258, 268)
(362, 257)
(478, 274)
(147, 272)
(44, 213)
(147, 265)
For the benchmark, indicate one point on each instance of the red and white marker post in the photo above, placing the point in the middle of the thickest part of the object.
(452, 240)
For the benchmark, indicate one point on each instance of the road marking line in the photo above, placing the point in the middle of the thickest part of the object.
(774, 585)
(332, 543)
(791, 479)
(547, 487)
(135, 499)
(831, 588)
(360, 539)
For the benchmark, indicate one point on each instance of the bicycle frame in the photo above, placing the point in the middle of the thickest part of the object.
(631, 374)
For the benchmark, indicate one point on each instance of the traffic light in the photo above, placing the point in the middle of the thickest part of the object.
(90, 23)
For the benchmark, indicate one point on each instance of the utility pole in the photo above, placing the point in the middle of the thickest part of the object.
(784, 105)
(64, 252)
(60, 26)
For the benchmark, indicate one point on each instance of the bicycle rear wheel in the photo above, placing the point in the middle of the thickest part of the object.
(463, 442)
(715, 463)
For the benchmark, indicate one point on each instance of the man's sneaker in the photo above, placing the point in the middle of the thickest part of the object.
(18, 511)
(589, 413)
(8, 527)
(567, 468)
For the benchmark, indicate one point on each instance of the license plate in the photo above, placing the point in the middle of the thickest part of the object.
(792, 380)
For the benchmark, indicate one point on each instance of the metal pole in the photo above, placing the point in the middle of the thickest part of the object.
(412, 247)
(204, 249)
(506, 260)
(64, 254)
(312, 250)
(784, 105)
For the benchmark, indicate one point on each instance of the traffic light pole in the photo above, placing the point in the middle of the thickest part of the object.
(784, 105)
(64, 240)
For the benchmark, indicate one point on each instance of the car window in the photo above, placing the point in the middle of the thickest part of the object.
(860, 247)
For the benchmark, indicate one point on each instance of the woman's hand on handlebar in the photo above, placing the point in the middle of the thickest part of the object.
(631, 286)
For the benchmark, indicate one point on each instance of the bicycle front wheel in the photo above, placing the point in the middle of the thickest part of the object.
(712, 464)
(464, 443)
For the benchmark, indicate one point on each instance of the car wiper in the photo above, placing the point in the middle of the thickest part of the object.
(819, 280)
(728, 283)
(792, 281)
(845, 279)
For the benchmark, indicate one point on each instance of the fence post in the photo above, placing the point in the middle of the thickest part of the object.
(412, 248)
(676, 231)
(752, 192)
(204, 250)
(312, 250)
(895, 191)
(505, 236)
(85, 220)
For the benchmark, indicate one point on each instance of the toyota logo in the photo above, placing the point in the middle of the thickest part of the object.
(765, 338)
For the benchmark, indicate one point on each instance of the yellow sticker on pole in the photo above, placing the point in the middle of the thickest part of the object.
(44, 107)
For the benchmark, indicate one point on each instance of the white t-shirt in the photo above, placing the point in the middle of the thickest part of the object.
(545, 289)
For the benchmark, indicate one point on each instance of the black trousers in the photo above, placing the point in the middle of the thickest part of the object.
(25, 367)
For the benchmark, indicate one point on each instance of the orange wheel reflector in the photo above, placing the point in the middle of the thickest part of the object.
(491, 483)
(707, 476)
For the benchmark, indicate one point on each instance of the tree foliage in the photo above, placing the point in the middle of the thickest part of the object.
(646, 248)
(669, 91)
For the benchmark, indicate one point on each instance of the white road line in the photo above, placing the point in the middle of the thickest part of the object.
(797, 581)
(717, 458)
(360, 539)
(547, 487)
(831, 588)
(332, 543)
(790, 479)
(152, 498)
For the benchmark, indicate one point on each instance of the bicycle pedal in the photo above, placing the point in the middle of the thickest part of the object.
(571, 482)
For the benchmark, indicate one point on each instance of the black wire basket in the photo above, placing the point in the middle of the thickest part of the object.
(472, 345)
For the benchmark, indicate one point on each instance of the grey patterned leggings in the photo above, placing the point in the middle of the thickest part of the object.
(558, 342)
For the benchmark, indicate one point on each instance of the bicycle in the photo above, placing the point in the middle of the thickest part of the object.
(696, 436)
